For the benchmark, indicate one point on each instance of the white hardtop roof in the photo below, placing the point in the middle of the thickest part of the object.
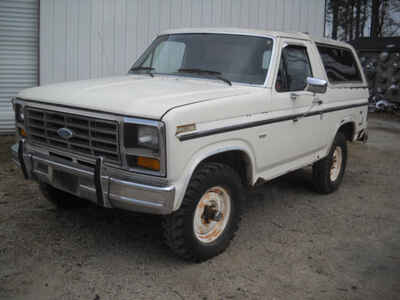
(257, 32)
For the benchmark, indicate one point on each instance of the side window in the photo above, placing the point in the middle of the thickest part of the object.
(168, 56)
(340, 64)
(294, 69)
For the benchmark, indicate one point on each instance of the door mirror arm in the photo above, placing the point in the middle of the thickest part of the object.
(315, 86)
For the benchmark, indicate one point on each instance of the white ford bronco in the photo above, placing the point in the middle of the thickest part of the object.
(203, 115)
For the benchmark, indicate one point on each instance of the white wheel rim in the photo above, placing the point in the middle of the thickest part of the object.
(336, 166)
(216, 202)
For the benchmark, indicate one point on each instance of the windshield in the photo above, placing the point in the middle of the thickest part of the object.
(236, 58)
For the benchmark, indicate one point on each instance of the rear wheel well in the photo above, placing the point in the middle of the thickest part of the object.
(348, 131)
(238, 161)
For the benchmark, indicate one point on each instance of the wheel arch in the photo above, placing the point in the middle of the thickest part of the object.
(348, 129)
(238, 155)
(238, 160)
(347, 126)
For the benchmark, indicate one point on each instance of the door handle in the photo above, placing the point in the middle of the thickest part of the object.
(294, 96)
(318, 101)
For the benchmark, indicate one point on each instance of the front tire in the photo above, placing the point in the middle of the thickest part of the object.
(209, 216)
(328, 172)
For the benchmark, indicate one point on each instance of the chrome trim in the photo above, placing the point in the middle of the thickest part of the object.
(135, 201)
(162, 140)
(39, 172)
(73, 170)
(107, 116)
(134, 196)
(89, 136)
(120, 188)
(71, 110)
(316, 85)
(141, 186)
(111, 169)
(18, 125)
(156, 181)
(142, 121)
(82, 175)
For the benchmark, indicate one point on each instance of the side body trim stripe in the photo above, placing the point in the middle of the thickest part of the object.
(264, 122)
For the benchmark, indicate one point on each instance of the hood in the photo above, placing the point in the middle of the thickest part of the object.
(133, 95)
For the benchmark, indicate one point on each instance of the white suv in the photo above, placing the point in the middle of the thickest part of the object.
(200, 117)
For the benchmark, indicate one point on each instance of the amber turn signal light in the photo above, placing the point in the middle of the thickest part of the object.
(148, 163)
(22, 132)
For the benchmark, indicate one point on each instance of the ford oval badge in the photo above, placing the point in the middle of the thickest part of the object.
(65, 133)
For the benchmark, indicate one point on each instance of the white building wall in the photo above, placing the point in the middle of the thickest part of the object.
(18, 54)
(82, 39)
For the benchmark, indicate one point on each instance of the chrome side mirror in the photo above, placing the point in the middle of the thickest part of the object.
(316, 86)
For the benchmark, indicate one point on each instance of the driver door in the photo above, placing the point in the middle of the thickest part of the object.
(296, 139)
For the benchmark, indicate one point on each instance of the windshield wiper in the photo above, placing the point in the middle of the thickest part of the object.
(143, 69)
(215, 74)
(199, 71)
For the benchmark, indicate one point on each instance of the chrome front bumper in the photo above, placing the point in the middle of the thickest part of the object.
(93, 180)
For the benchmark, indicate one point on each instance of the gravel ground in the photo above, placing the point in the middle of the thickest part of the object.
(292, 243)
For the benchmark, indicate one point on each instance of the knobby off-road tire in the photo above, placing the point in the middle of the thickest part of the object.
(328, 172)
(188, 232)
(61, 199)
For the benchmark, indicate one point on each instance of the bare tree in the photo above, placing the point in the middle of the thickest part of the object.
(349, 19)
(390, 24)
(378, 13)
(375, 18)
(364, 17)
(358, 17)
(335, 18)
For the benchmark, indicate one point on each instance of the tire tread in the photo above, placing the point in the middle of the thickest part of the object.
(173, 225)
(321, 169)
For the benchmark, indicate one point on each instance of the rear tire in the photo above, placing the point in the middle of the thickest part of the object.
(209, 216)
(61, 199)
(328, 172)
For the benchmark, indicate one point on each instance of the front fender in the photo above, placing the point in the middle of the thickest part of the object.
(206, 152)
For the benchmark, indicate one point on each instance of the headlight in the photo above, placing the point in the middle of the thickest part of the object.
(143, 145)
(19, 113)
(19, 117)
(148, 137)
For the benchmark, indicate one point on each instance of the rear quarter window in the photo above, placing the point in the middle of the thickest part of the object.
(340, 64)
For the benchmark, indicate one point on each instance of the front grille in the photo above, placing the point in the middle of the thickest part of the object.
(91, 136)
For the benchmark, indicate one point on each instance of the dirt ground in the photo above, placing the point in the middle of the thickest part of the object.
(292, 243)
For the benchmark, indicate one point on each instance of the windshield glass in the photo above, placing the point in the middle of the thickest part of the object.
(236, 58)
